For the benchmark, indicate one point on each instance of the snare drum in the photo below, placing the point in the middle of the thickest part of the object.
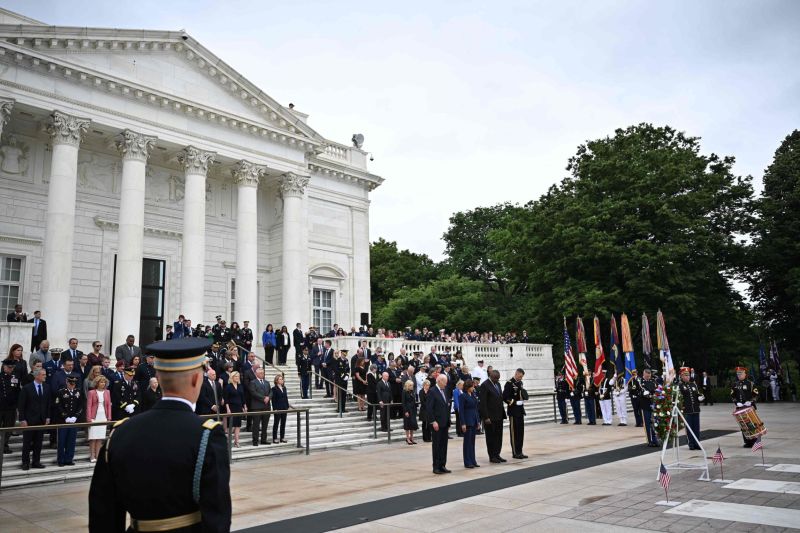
(749, 422)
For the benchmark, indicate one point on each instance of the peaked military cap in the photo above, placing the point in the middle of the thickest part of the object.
(177, 355)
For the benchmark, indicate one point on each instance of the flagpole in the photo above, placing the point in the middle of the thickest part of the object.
(762, 453)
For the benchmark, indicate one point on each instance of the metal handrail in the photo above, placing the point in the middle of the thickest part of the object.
(52, 427)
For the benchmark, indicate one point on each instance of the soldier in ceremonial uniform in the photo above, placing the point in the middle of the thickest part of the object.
(246, 336)
(186, 484)
(584, 388)
(621, 397)
(144, 372)
(562, 393)
(744, 393)
(691, 407)
(9, 395)
(303, 363)
(607, 389)
(515, 396)
(635, 392)
(342, 375)
(125, 396)
(575, 401)
(69, 404)
(648, 390)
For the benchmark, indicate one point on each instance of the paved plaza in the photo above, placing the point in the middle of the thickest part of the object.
(390, 488)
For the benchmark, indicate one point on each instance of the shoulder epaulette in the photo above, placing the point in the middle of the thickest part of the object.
(120, 422)
(210, 424)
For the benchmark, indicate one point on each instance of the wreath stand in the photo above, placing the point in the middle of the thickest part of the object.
(677, 464)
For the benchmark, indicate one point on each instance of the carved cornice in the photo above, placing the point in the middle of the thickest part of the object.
(293, 185)
(195, 161)
(67, 129)
(369, 181)
(247, 174)
(6, 105)
(106, 224)
(134, 145)
(232, 265)
(27, 241)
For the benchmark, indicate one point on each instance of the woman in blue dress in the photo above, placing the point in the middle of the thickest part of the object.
(470, 421)
(234, 400)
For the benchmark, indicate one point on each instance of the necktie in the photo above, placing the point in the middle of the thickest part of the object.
(38, 390)
(36, 327)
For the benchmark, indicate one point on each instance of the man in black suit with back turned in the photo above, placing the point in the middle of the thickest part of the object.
(493, 413)
(298, 339)
(34, 410)
(438, 410)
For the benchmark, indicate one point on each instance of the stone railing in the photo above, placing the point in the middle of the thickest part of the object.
(535, 359)
(348, 155)
(15, 333)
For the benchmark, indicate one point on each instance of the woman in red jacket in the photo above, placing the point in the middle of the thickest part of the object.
(98, 409)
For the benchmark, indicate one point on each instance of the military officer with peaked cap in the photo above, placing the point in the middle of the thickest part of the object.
(186, 484)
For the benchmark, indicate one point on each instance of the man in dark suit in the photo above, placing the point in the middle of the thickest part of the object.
(72, 353)
(210, 400)
(298, 339)
(39, 330)
(384, 390)
(178, 330)
(34, 410)
(317, 355)
(125, 352)
(492, 413)
(17, 315)
(438, 410)
(59, 379)
(259, 401)
(327, 368)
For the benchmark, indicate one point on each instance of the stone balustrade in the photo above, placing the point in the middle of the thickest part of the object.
(15, 333)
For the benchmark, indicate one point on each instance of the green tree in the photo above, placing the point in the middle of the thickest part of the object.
(392, 270)
(774, 272)
(645, 221)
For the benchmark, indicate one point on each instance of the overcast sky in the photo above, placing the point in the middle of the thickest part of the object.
(467, 104)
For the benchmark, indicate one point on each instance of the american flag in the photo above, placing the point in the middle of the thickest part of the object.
(718, 457)
(663, 477)
(600, 355)
(569, 359)
(774, 358)
(758, 445)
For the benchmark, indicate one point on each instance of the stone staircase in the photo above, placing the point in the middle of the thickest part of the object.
(326, 430)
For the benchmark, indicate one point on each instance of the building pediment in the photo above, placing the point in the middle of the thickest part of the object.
(169, 69)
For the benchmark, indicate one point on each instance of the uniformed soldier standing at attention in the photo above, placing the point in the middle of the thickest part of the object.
(342, 375)
(635, 392)
(515, 395)
(125, 396)
(562, 393)
(744, 393)
(648, 391)
(185, 486)
(691, 407)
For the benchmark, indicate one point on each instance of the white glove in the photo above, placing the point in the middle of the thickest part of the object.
(70, 420)
(646, 393)
(520, 402)
(739, 404)
(571, 394)
(748, 404)
(616, 393)
(701, 398)
(129, 408)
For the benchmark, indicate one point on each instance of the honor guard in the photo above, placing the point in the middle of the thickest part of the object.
(635, 392)
(691, 407)
(69, 405)
(186, 484)
(621, 398)
(607, 389)
(744, 393)
(303, 370)
(648, 391)
(342, 374)
(9, 395)
(515, 396)
(575, 401)
(562, 393)
(125, 396)
(585, 387)
(246, 335)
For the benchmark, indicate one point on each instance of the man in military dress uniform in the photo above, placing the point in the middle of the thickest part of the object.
(9, 395)
(584, 388)
(514, 395)
(303, 363)
(68, 409)
(342, 376)
(691, 407)
(144, 372)
(607, 390)
(635, 392)
(125, 396)
(246, 336)
(562, 393)
(648, 391)
(185, 486)
(744, 394)
(575, 402)
(621, 397)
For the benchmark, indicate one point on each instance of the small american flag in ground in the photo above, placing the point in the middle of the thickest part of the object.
(758, 445)
(718, 457)
(663, 477)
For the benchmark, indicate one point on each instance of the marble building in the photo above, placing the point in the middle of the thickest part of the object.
(143, 177)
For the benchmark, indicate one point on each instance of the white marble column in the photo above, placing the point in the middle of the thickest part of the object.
(135, 149)
(66, 132)
(246, 175)
(193, 252)
(294, 268)
(6, 105)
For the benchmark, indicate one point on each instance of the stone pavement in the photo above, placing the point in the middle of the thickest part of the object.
(621, 494)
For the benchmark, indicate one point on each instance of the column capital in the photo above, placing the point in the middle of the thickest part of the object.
(195, 161)
(247, 174)
(6, 105)
(134, 145)
(292, 184)
(67, 129)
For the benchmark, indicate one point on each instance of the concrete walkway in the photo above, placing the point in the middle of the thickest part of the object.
(622, 493)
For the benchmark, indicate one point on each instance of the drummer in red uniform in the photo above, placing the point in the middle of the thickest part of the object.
(744, 394)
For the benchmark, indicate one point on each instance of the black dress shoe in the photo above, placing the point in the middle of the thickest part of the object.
(476, 466)
(446, 471)
(26, 467)
(37, 465)
(638, 425)
(592, 424)
(495, 460)
(60, 464)
(71, 463)
(564, 422)
(7, 451)
(621, 424)
(283, 441)
(469, 466)
(501, 459)
(521, 456)
(437, 472)
(255, 443)
(576, 423)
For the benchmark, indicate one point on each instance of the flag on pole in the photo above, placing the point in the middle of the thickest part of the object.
(627, 347)
(599, 354)
(663, 477)
(616, 355)
(718, 457)
(647, 346)
(758, 445)
(762, 360)
(571, 370)
(663, 348)
(774, 359)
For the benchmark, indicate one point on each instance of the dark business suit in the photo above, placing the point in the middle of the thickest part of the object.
(280, 402)
(284, 342)
(317, 356)
(384, 390)
(468, 407)
(34, 408)
(209, 396)
(258, 390)
(298, 340)
(491, 408)
(39, 333)
(438, 411)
